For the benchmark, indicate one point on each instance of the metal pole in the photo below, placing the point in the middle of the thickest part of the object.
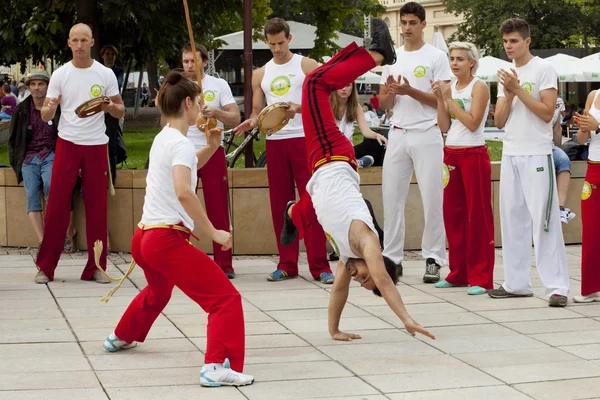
(249, 152)
(210, 71)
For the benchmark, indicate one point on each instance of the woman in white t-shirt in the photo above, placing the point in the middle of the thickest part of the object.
(161, 246)
(347, 110)
(462, 111)
(589, 124)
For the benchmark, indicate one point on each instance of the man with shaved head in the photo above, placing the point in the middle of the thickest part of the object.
(81, 146)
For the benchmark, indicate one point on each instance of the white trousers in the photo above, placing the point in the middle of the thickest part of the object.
(529, 202)
(422, 151)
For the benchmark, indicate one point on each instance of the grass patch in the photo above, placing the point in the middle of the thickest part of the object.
(138, 144)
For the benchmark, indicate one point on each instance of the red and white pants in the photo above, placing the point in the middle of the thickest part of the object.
(168, 260)
(68, 160)
(590, 222)
(468, 216)
(216, 198)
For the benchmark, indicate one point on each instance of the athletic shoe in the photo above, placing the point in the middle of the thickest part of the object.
(557, 300)
(113, 343)
(100, 277)
(432, 271)
(230, 274)
(377, 227)
(444, 284)
(334, 257)
(289, 232)
(326, 277)
(590, 298)
(566, 215)
(476, 290)
(215, 375)
(279, 275)
(399, 269)
(381, 41)
(41, 277)
(501, 293)
(365, 162)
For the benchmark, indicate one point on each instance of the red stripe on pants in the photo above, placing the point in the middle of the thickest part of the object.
(68, 160)
(468, 217)
(169, 260)
(286, 162)
(590, 224)
(214, 187)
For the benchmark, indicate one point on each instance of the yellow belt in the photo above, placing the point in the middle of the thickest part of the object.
(167, 226)
(332, 158)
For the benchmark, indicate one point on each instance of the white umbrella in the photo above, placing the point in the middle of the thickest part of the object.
(489, 66)
(568, 68)
(439, 42)
(591, 67)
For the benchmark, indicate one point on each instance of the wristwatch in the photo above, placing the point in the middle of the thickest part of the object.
(598, 130)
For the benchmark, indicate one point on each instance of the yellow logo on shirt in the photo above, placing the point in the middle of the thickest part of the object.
(281, 85)
(96, 90)
(445, 175)
(586, 193)
(209, 95)
(527, 86)
(420, 71)
(332, 242)
(461, 104)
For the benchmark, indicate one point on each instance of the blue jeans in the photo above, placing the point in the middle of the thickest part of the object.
(35, 173)
(561, 160)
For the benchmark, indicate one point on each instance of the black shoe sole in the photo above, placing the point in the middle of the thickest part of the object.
(399, 270)
(289, 232)
(382, 41)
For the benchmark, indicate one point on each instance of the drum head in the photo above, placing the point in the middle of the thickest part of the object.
(91, 107)
(273, 118)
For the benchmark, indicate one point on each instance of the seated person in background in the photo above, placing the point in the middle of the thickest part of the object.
(7, 103)
(347, 110)
(562, 164)
(370, 116)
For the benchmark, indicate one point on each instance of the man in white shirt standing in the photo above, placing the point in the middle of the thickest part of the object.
(81, 145)
(281, 80)
(414, 142)
(219, 104)
(528, 196)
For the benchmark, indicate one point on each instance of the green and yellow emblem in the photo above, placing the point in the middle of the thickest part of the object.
(587, 191)
(527, 86)
(333, 244)
(281, 85)
(96, 90)
(420, 71)
(461, 104)
(209, 95)
(445, 175)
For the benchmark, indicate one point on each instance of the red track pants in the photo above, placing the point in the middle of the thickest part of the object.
(214, 187)
(169, 260)
(468, 217)
(590, 221)
(69, 159)
(286, 162)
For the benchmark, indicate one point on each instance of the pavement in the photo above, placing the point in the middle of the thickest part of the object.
(51, 340)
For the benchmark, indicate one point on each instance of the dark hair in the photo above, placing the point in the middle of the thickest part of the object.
(390, 267)
(108, 46)
(6, 88)
(203, 52)
(515, 25)
(275, 26)
(173, 91)
(413, 8)
(351, 105)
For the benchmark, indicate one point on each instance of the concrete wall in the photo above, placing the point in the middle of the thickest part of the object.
(250, 210)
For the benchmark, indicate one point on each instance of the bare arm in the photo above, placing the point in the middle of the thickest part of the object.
(49, 108)
(584, 133)
(472, 119)
(544, 108)
(443, 116)
(115, 108)
(337, 300)
(182, 177)
(503, 107)
(258, 103)
(213, 140)
(386, 97)
(422, 97)
(229, 115)
(557, 132)
(364, 128)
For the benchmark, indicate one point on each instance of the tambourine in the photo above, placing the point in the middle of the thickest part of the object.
(205, 124)
(273, 118)
(91, 107)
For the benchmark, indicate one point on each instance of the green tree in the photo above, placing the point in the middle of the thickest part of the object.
(552, 22)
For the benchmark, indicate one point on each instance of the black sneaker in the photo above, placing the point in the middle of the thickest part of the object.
(230, 274)
(289, 232)
(399, 269)
(381, 41)
(432, 271)
(334, 257)
(501, 293)
(557, 300)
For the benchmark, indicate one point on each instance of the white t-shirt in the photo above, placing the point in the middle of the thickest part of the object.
(345, 127)
(217, 94)
(525, 133)
(459, 134)
(161, 206)
(283, 83)
(594, 149)
(78, 85)
(560, 107)
(420, 67)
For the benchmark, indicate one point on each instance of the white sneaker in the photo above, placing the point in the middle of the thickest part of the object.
(113, 343)
(215, 375)
(566, 215)
(590, 298)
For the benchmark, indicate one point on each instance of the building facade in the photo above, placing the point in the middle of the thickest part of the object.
(438, 20)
